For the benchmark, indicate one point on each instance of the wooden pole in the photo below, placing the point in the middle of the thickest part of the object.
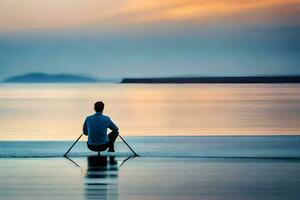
(135, 154)
(73, 145)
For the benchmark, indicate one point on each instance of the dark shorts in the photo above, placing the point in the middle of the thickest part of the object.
(101, 147)
(112, 136)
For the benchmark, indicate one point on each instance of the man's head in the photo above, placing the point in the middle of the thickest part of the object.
(99, 106)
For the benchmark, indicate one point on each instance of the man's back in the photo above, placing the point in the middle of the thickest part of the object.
(95, 127)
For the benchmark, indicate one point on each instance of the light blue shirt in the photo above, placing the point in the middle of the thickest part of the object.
(95, 127)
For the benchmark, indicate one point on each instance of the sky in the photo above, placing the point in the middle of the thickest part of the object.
(143, 38)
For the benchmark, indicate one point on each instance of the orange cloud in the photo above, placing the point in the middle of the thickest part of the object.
(32, 14)
(180, 10)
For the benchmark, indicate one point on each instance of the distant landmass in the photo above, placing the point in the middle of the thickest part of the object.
(52, 78)
(69, 78)
(242, 79)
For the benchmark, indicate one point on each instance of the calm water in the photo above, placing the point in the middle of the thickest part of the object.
(148, 179)
(56, 111)
(200, 166)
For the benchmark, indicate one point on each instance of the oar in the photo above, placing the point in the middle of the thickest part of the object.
(135, 154)
(73, 145)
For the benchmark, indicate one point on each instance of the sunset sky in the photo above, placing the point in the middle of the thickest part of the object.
(150, 38)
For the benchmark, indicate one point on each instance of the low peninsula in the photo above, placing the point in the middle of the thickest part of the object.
(230, 80)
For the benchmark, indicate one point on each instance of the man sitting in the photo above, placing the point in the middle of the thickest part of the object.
(95, 127)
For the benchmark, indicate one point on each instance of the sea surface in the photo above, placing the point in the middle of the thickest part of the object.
(177, 120)
(109, 178)
(56, 111)
(214, 142)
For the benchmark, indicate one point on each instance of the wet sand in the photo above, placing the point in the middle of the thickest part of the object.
(148, 178)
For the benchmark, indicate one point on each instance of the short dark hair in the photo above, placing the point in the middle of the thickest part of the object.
(99, 106)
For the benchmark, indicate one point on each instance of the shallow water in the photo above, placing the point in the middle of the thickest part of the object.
(149, 178)
(56, 111)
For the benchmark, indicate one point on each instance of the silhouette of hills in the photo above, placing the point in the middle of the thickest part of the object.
(242, 79)
(51, 78)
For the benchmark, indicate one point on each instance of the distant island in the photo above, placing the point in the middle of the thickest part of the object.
(242, 79)
(52, 78)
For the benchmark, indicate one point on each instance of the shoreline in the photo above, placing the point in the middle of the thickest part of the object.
(281, 147)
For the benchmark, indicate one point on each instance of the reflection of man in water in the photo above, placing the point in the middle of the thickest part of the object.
(95, 127)
(101, 178)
